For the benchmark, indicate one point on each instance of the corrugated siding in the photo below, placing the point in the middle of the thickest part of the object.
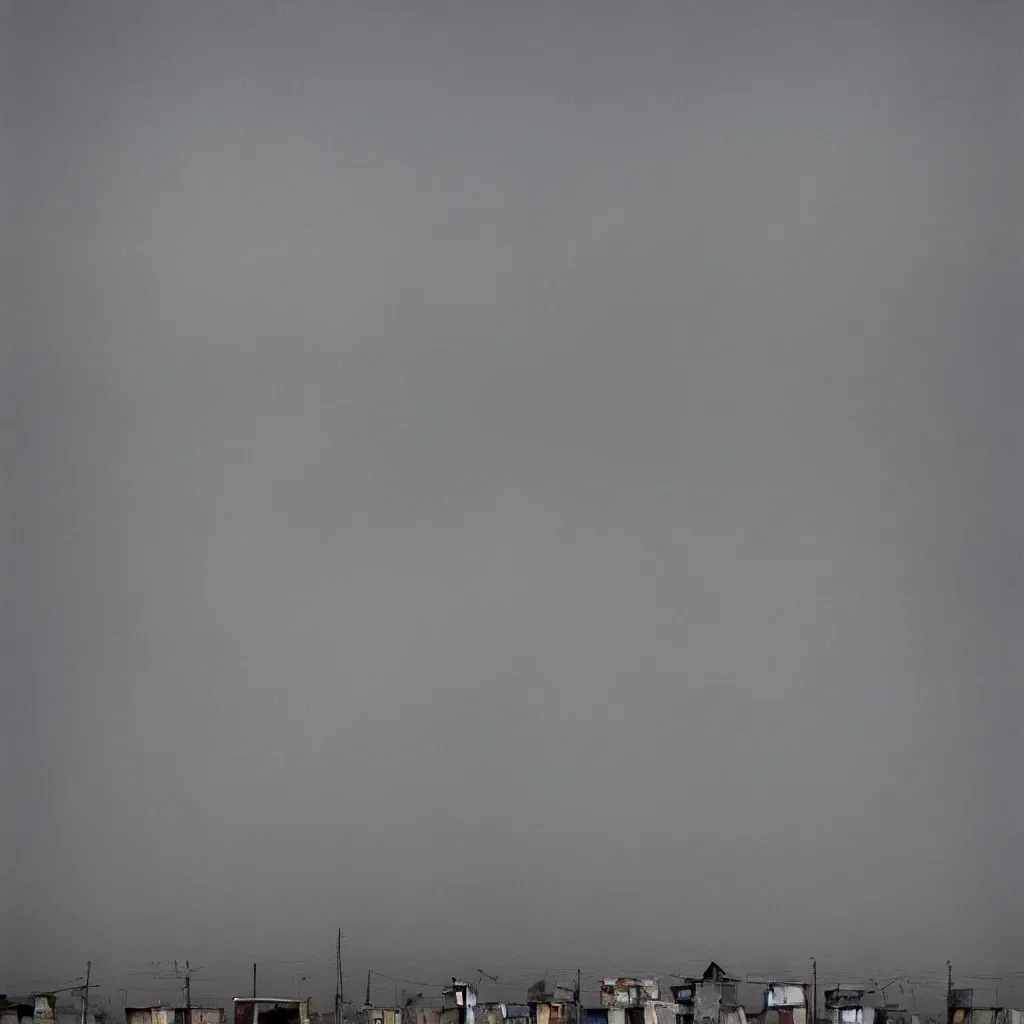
(207, 1015)
(707, 1001)
(45, 1009)
(987, 1016)
(786, 995)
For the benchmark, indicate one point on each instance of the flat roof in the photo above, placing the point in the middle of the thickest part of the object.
(266, 999)
(166, 1006)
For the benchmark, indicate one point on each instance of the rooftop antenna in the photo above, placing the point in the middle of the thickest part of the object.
(484, 974)
(881, 988)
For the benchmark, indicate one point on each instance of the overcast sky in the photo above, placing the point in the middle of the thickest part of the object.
(529, 483)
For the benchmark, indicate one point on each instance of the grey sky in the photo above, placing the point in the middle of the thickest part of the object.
(535, 482)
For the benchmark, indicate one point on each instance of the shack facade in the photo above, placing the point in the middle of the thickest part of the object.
(459, 1006)
(174, 1015)
(712, 998)
(13, 1011)
(786, 1004)
(847, 1006)
(40, 1009)
(271, 1011)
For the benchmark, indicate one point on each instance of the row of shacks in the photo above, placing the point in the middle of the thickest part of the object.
(42, 1009)
(712, 998)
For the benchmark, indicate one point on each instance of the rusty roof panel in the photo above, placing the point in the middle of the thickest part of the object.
(629, 993)
(844, 997)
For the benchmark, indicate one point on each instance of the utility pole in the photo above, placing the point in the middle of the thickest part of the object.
(254, 981)
(85, 993)
(949, 984)
(368, 973)
(576, 999)
(189, 971)
(337, 984)
(814, 998)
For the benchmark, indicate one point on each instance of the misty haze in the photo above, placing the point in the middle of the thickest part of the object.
(536, 486)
